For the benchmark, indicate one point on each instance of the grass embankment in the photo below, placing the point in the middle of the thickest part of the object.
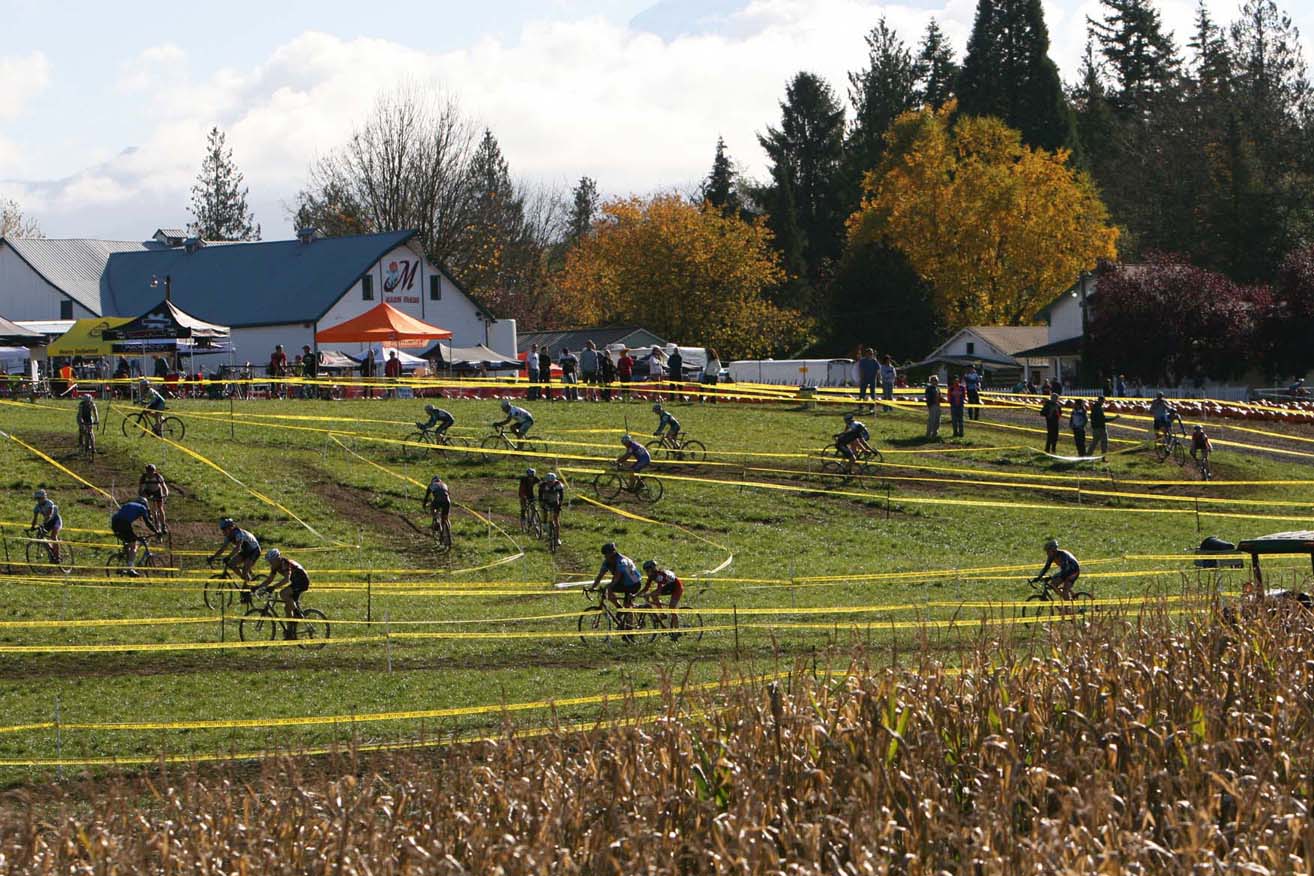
(1143, 746)
(1012, 500)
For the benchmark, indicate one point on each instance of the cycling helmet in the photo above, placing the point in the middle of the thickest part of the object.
(150, 467)
(1198, 428)
(529, 473)
(428, 409)
(609, 548)
(144, 383)
(657, 408)
(273, 556)
(848, 418)
(1051, 545)
(551, 477)
(140, 500)
(626, 439)
(506, 405)
(649, 565)
(226, 523)
(39, 495)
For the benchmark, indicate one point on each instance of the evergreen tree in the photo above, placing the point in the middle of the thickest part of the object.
(937, 71)
(584, 206)
(1141, 57)
(1008, 73)
(882, 92)
(1096, 125)
(805, 197)
(496, 221)
(878, 299)
(719, 188)
(219, 210)
(1212, 71)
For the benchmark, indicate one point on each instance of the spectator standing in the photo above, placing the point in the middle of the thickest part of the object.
(367, 370)
(1078, 421)
(932, 397)
(606, 373)
(675, 373)
(625, 371)
(1057, 384)
(392, 369)
(655, 370)
(1032, 389)
(277, 368)
(889, 378)
(545, 372)
(531, 371)
(868, 371)
(712, 370)
(588, 370)
(972, 384)
(162, 367)
(1122, 386)
(1099, 431)
(309, 371)
(569, 374)
(1052, 411)
(957, 400)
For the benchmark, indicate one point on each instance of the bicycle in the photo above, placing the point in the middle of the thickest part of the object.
(1170, 443)
(530, 520)
(263, 623)
(219, 591)
(87, 441)
(499, 441)
(41, 552)
(1041, 604)
(140, 422)
(859, 468)
(441, 530)
(691, 622)
(681, 448)
(610, 484)
(1206, 469)
(600, 619)
(148, 561)
(551, 532)
(434, 440)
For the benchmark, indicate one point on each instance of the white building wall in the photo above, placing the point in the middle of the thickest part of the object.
(24, 294)
(1064, 318)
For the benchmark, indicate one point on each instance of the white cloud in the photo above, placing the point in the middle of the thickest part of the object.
(24, 77)
(153, 67)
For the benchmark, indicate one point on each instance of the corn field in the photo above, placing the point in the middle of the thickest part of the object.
(1143, 746)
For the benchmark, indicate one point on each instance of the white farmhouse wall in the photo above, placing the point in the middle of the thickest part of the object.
(1064, 318)
(24, 294)
(255, 345)
(957, 346)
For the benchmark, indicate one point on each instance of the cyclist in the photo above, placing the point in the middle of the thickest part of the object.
(642, 459)
(663, 582)
(625, 576)
(437, 417)
(88, 420)
(551, 496)
(154, 402)
(855, 433)
(1201, 446)
(667, 422)
(1068, 568)
(528, 481)
(152, 485)
(1162, 412)
(438, 500)
(520, 419)
(45, 517)
(122, 523)
(294, 582)
(245, 552)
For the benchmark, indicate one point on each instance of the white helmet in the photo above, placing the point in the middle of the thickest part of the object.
(529, 473)
(551, 477)
(273, 556)
(506, 405)
(39, 495)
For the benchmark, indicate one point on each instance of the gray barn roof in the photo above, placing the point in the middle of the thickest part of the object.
(247, 284)
(73, 266)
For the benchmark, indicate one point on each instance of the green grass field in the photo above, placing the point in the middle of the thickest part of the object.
(938, 512)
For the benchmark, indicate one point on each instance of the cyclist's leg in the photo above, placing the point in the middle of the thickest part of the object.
(679, 594)
(290, 610)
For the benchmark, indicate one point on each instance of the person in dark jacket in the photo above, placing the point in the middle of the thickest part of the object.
(1099, 431)
(1078, 421)
(868, 369)
(1052, 411)
(545, 372)
(675, 372)
(606, 372)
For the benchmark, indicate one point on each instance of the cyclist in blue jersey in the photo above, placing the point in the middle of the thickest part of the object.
(46, 517)
(245, 549)
(625, 577)
(121, 522)
(437, 417)
(855, 434)
(520, 419)
(642, 459)
(666, 423)
(1068, 569)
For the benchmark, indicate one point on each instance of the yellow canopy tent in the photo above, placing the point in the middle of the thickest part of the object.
(84, 339)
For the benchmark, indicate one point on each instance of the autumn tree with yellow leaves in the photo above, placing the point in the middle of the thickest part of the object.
(685, 271)
(996, 227)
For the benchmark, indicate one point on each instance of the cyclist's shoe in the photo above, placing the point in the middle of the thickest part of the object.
(132, 573)
(246, 597)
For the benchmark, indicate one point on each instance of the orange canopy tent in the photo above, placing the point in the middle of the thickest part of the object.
(383, 324)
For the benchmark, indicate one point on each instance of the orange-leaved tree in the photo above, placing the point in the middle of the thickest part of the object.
(685, 271)
(996, 227)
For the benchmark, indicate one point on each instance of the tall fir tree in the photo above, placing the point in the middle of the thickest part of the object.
(1141, 57)
(1008, 73)
(1096, 124)
(1212, 70)
(805, 197)
(937, 71)
(881, 92)
(583, 207)
(720, 189)
(496, 220)
(218, 209)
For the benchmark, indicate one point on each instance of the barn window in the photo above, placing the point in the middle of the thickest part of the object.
(435, 288)
(971, 347)
(367, 287)
(66, 309)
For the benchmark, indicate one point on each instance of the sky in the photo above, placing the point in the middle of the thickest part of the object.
(104, 107)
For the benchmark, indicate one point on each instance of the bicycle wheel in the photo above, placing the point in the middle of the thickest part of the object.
(1038, 609)
(1179, 453)
(173, 428)
(874, 456)
(1083, 604)
(450, 446)
(594, 625)
(1206, 473)
(835, 469)
(38, 557)
(554, 537)
(257, 625)
(66, 561)
(493, 442)
(1161, 450)
(411, 451)
(608, 485)
(536, 525)
(691, 626)
(657, 449)
(134, 425)
(218, 592)
(649, 490)
(632, 624)
(693, 450)
(312, 629)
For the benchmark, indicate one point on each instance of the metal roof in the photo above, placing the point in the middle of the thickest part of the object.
(74, 267)
(247, 284)
(633, 336)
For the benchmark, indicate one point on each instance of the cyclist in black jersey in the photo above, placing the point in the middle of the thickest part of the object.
(1068, 569)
